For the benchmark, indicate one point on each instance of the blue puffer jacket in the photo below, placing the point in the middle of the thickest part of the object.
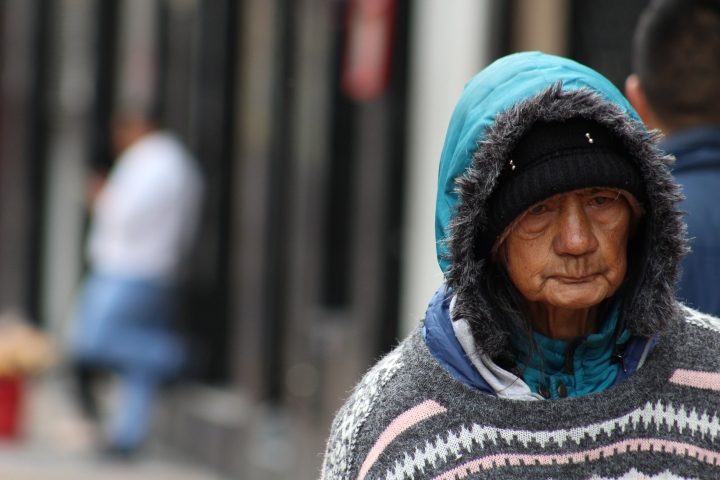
(698, 170)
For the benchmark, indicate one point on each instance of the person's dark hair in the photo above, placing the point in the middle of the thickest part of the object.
(508, 308)
(676, 55)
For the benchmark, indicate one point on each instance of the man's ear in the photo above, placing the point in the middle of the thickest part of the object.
(636, 96)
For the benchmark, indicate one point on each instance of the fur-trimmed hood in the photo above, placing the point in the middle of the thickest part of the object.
(497, 107)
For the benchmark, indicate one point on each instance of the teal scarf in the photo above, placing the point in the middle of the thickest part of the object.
(592, 370)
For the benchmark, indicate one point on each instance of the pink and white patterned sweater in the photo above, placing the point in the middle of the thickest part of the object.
(408, 418)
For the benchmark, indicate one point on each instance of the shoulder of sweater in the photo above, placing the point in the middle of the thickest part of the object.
(702, 320)
(378, 397)
(697, 340)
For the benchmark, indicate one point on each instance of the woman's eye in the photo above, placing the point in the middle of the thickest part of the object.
(538, 209)
(600, 200)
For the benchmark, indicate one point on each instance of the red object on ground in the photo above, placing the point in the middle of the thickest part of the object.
(368, 48)
(11, 395)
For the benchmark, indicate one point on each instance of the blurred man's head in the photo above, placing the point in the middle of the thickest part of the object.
(128, 127)
(676, 60)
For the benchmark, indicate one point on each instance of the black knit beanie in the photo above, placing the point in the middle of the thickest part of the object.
(554, 158)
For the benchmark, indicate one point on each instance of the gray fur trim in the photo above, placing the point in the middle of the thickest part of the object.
(654, 306)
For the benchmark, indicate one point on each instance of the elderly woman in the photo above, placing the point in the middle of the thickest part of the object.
(556, 348)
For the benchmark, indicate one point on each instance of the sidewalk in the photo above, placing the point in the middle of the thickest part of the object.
(22, 463)
(58, 445)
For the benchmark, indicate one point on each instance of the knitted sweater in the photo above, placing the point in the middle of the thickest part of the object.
(410, 419)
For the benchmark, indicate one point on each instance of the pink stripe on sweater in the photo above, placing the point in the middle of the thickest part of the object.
(690, 378)
(642, 445)
(402, 422)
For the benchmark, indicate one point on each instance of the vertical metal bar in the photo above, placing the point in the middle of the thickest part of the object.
(163, 43)
(17, 41)
(499, 37)
(398, 99)
(36, 150)
(213, 144)
(280, 178)
(339, 200)
(101, 155)
(177, 35)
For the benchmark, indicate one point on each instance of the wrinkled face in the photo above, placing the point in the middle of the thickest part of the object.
(569, 251)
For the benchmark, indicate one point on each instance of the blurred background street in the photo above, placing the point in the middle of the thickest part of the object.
(316, 126)
(58, 444)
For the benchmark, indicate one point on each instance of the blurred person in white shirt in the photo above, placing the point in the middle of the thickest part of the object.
(144, 219)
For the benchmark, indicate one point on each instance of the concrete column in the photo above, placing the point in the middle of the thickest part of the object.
(541, 25)
(254, 120)
(138, 69)
(67, 160)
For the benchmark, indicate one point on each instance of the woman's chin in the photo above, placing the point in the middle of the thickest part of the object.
(578, 296)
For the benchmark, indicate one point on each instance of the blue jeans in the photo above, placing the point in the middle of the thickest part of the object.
(125, 325)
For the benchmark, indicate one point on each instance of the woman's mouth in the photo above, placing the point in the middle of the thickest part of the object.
(575, 279)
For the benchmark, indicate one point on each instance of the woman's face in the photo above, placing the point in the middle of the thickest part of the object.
(569, 251)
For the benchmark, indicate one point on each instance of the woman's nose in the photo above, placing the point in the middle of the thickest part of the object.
(573, 232)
